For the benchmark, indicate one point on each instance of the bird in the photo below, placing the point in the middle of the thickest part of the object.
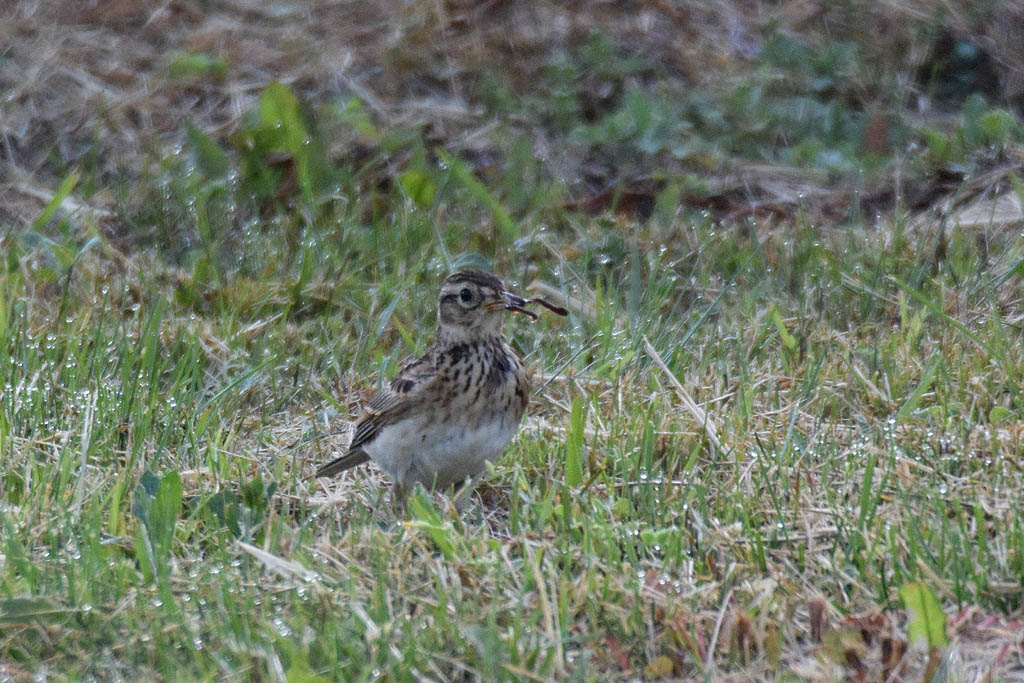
(448, 413)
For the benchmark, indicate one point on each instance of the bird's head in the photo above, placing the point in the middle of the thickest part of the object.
(473, 305)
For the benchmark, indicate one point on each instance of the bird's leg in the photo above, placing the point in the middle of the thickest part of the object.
(449, 506)
(398, 495)
(465, 492)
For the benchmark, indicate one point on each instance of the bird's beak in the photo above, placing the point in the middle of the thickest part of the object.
(511, 302)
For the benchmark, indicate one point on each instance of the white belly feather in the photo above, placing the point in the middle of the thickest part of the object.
(439, 454)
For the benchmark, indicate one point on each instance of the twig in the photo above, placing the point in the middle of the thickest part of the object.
(688, 403)
(285, 568)
(710, 659)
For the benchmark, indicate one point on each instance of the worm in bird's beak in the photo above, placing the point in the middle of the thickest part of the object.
(511, 302)
(517, 304)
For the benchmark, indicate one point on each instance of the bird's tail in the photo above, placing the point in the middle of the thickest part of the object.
(347, 461)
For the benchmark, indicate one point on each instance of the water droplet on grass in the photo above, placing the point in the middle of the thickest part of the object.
(281, 627)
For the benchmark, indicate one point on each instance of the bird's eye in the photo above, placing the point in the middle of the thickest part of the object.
(466, 295)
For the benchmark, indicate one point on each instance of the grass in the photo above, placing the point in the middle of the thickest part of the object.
(772, 448)
(156, 437)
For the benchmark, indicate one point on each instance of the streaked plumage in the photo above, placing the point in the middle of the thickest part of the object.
(448, 413)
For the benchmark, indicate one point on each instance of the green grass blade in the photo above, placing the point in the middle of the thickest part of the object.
(68, 184)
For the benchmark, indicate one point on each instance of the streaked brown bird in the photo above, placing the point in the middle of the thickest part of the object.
(449, 413)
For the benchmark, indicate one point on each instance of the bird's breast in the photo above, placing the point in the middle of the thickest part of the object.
(470, 412)
(482, 378)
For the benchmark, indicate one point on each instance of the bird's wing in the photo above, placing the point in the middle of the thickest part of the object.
(391, 402)
(405, 391)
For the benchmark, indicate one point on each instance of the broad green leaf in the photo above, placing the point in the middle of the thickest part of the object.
(165, 511)
(354, 114)
(927, 620)
(284, 128)
(209, 155)
(419, 187)
(999, 415)
(280, 112)
(144, 553)
(428, 520)
(157, 507)
(149, 484)
(997, 125)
